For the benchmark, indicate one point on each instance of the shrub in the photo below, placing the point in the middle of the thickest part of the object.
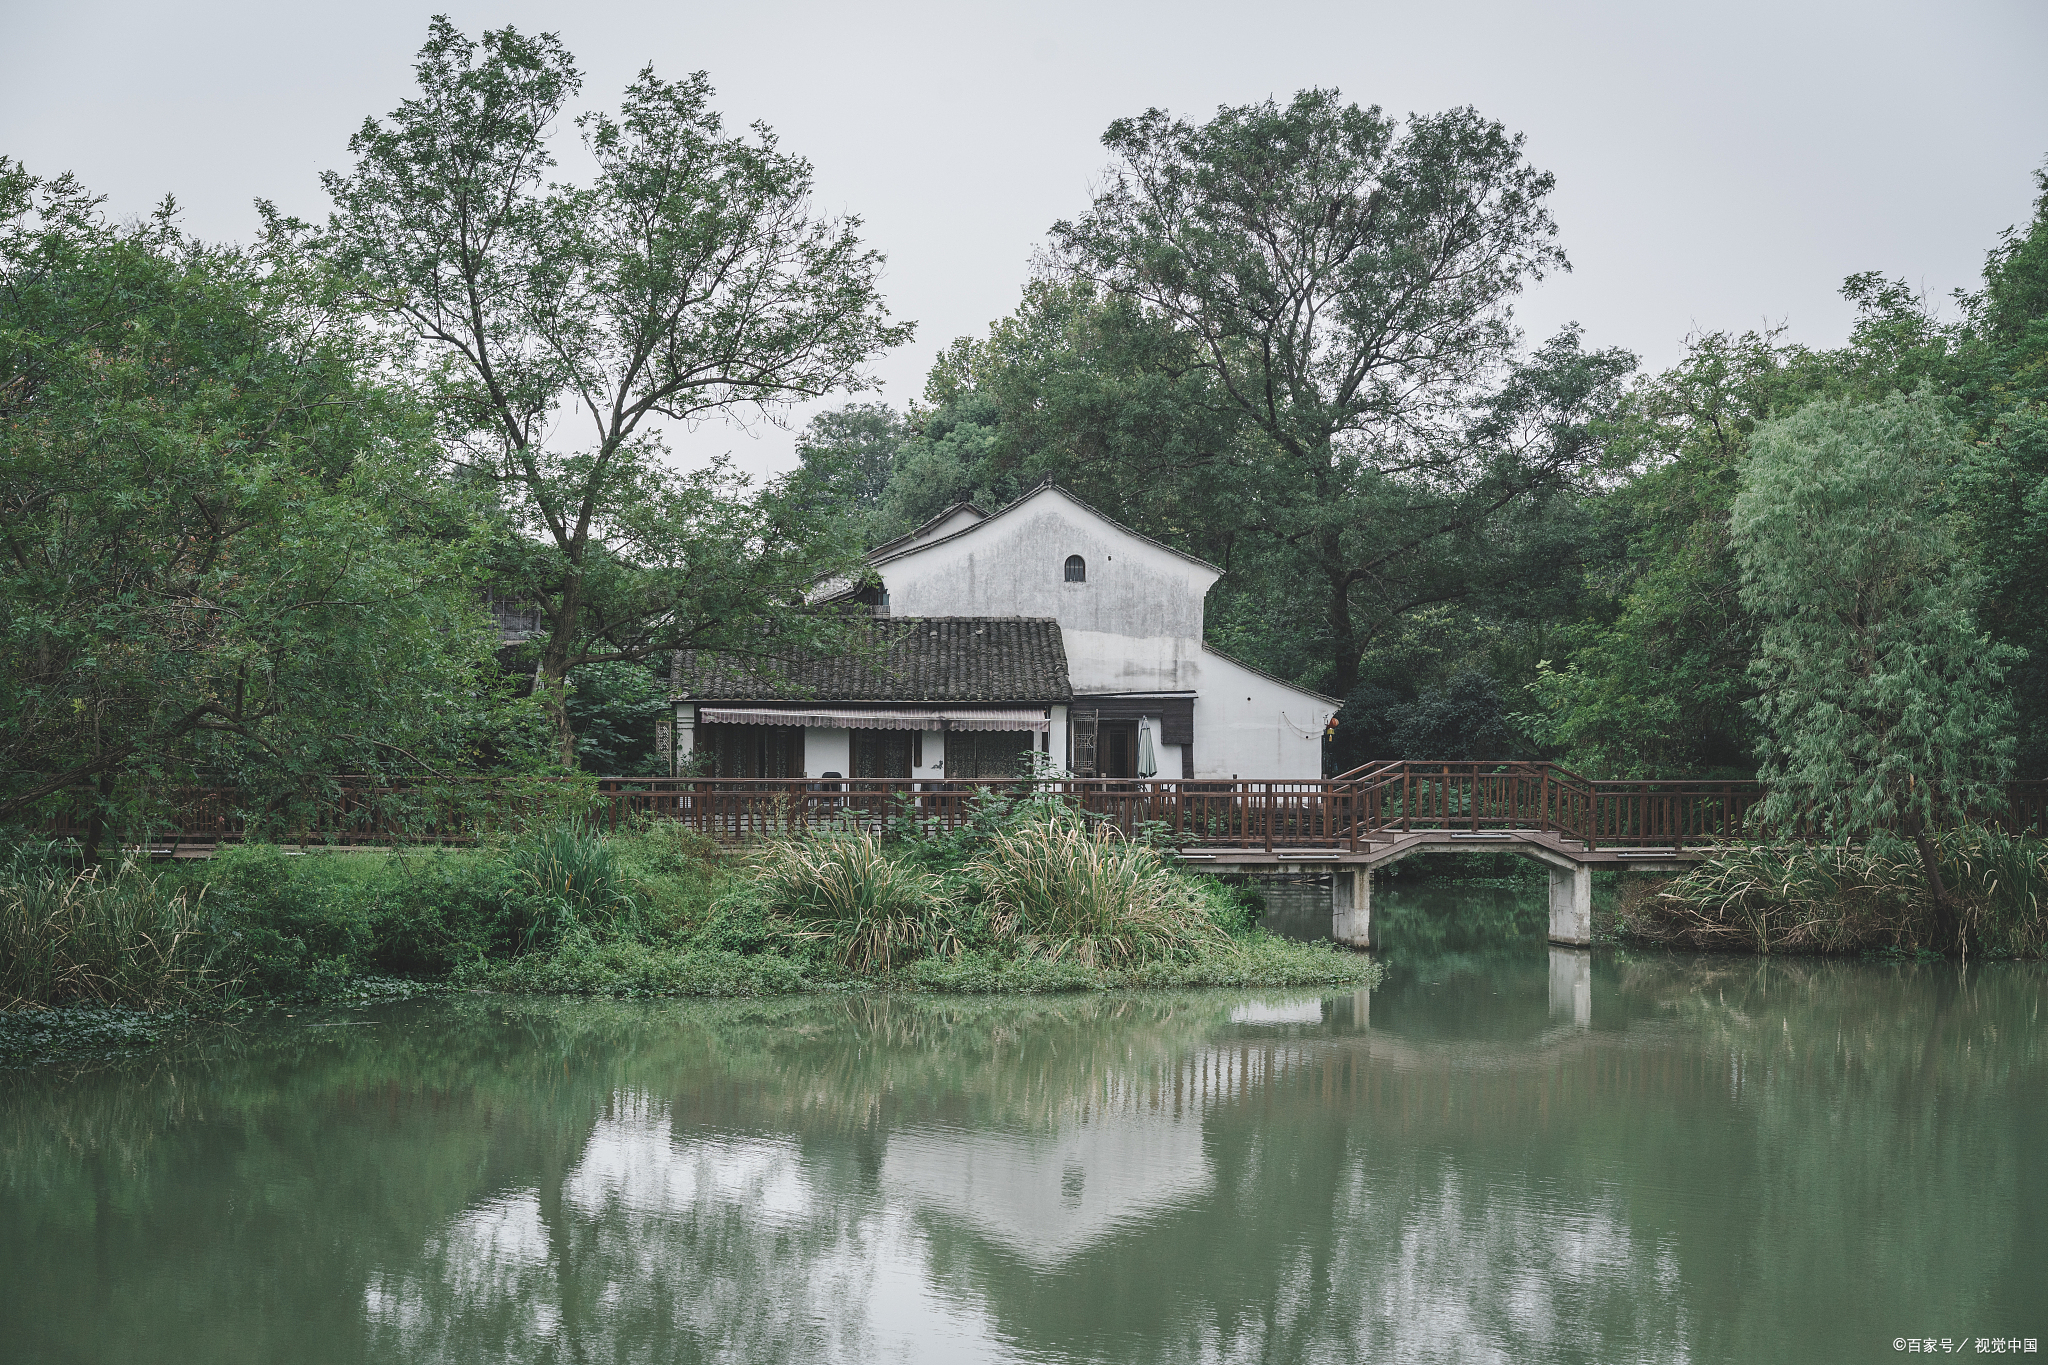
(1236, 907)
(287, 928)
(742, 921)
(874, 910)
(304, 925)
(1059, 888)
(429, 912)
(123, 939)
(676, 874)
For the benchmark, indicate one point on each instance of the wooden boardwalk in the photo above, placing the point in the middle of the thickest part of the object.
(1366, 817)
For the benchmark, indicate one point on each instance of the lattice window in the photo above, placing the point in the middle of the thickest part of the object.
(1081, 746)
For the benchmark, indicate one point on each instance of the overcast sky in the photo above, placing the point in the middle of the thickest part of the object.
(1719, 165)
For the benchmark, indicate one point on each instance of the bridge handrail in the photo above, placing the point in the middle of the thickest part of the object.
(1344, 812)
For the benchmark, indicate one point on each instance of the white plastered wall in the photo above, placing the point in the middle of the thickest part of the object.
(1247, 725)
(827, 751)
(1134, 625)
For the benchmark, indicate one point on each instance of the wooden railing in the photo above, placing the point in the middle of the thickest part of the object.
(1372, 804)
(1211, 813)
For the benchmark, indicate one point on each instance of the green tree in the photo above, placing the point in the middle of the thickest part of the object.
(2003, 381)
(1880, 702)
(850, 453)
(1345, 282)
(223, 549)
(614, 707)
(1656, 678)
(687, 277)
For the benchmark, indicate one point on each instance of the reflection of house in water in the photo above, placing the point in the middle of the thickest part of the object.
(1044, 1197)
(753, 1229)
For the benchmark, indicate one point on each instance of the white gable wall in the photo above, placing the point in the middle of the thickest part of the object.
(1135, 625)
(1248, 725)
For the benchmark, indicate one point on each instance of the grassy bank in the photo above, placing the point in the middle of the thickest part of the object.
(1835, 898)
(1027, 897)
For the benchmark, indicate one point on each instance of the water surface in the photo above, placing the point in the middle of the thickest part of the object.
(1502, 1153)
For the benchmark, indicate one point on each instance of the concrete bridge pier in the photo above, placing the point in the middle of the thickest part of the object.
(1351, 907)
(1571, 903)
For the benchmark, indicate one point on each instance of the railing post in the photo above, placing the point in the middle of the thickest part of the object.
(1269, 816)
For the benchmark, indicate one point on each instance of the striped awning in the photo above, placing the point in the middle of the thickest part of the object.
(890, 718)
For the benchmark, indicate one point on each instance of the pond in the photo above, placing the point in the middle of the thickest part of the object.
(1503, 1153)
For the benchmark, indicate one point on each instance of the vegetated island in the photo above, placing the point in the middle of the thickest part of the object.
(1025, 896)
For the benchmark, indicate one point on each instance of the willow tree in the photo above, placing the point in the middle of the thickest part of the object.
(562, 324)
(1881, 704)
(1346, 278)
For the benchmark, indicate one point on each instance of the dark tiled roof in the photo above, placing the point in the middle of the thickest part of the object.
(913, 658)
(882, 551)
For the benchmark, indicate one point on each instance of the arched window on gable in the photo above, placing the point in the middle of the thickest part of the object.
(1077, 569)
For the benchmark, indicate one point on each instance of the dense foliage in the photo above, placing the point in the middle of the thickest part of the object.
(224, 547)
(1539, 558)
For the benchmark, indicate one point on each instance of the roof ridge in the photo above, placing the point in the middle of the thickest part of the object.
(875, 557)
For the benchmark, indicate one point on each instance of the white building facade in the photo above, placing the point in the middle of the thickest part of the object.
(1144, 695)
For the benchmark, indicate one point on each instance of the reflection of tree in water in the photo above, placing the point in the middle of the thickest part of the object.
(1729, 1146)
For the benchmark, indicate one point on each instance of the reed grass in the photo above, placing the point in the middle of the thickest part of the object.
(1843, 898)
(91, 937)
(576, 881)
(1060, 889)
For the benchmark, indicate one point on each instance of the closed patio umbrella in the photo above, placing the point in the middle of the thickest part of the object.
(1148, 762)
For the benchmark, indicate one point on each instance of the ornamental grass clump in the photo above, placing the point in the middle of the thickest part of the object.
(1841, 897)
(875, 911)
(75, 937)
(1062, 890)
(576, 884)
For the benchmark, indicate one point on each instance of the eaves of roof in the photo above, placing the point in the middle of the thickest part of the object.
(887, 546)
(914, 659)
(1270, 677)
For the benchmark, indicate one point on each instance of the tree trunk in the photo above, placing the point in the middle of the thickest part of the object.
(96, 823)
(1343, 633)
(551, 685)
(551, 679)
(1948, 931)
